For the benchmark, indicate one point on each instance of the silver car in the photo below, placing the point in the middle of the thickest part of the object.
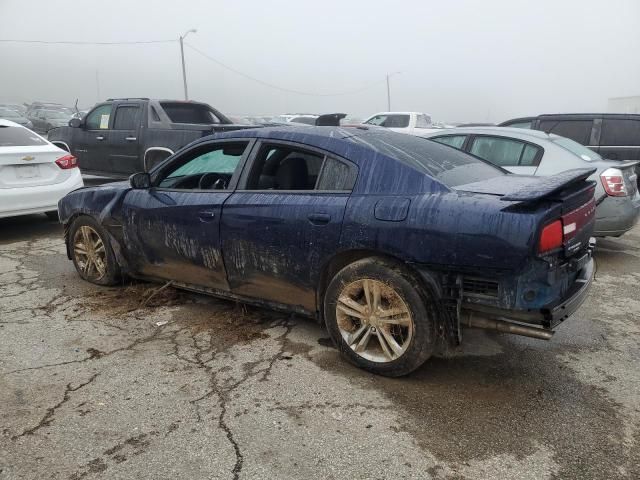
(532, 152)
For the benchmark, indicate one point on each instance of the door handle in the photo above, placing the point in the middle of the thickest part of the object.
(319, 218)
(130, 139)
(207, 215)
(100, 138)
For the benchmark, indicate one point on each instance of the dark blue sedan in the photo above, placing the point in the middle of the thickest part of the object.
(393, 241)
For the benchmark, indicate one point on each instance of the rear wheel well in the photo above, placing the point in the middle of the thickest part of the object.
(337, 263)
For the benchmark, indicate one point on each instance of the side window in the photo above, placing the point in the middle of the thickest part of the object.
(519, 124)
(207, 168)
(281, 167)
(530, 157)
(336, 175)
(423, 121)
(98, 119)
(452, 140)
(126, 118)
(577, 130)
(504, 152)
(620, 132)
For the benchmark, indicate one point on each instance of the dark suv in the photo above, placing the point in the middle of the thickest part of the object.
(614, 136)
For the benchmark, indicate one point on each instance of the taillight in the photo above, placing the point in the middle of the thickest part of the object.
(613, 182)
(68, 161)
(551, 237)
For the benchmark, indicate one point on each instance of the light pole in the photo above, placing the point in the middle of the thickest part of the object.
(184, 71)
(389, 90)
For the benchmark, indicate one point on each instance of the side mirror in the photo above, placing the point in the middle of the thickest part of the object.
(140, 180)
(75, 123)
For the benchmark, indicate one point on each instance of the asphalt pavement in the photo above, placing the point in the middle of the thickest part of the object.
(136, 382)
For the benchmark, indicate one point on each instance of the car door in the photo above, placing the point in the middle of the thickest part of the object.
(283, 223)
(122, 144)
(620, 139)
(89, 141)
(172, 228)
(512, 154)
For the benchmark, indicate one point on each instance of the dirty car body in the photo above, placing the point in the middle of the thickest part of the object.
(479, 245)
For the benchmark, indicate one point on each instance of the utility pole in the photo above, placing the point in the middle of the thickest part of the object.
(389, 75)
(184, 70)
(388, 95)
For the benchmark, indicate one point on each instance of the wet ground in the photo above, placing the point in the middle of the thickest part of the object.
(136, 382)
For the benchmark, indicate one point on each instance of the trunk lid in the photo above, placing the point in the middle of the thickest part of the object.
(31, 166)
(567, 197)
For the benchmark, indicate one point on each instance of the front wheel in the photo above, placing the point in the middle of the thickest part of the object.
(91, 252)
(378, 318)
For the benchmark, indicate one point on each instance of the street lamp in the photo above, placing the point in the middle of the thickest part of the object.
(389, 90)
(184, 72)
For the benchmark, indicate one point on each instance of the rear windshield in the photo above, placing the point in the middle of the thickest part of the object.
(18, 137)
(390, 121)
(446, 164)
(574, 147)
(189, 113)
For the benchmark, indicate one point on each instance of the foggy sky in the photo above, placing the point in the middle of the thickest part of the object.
(459, 60)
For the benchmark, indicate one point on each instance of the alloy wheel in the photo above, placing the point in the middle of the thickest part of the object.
(90, 253)
(374, 320)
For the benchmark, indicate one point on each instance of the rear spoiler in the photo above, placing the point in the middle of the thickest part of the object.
(548, 185)
(330, 120)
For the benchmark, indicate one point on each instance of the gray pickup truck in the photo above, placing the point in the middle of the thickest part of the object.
(126, 135)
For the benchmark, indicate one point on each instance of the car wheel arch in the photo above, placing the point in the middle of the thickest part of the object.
(426, 281)
(114, 243)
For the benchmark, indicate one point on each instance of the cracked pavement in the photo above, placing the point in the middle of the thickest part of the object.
(94, 384)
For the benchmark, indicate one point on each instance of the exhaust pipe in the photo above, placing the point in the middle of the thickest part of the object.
(468, 319)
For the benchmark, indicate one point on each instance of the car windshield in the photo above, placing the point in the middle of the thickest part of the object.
(389, 121)
(18, 137)
(574, 147)
(448, 165)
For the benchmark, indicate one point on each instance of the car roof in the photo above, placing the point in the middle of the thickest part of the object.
(504, 131)
(9, 123)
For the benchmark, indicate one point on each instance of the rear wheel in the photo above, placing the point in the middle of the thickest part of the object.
(91, 252)
(378, 318)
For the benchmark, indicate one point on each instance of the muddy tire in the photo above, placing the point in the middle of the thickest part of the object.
(91, 252)
(378, 318)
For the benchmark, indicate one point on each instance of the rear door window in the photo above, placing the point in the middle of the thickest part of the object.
(620, 132)
(18, 137)
(336, 176)
(127, 117)
(456, 141)
(504, 152)
(578, 130)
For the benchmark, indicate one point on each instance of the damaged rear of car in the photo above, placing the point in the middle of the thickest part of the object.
(391, 241)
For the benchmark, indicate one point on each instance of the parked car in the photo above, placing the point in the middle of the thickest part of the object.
(21, 109)
(35, 106)
(15, 116)
(34, 174)
(532, 152)
(614, 136)
(391, 240)
(126, 135)
(45, 120)
(413, 123)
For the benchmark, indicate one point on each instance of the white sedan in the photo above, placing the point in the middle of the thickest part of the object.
(34, 174)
